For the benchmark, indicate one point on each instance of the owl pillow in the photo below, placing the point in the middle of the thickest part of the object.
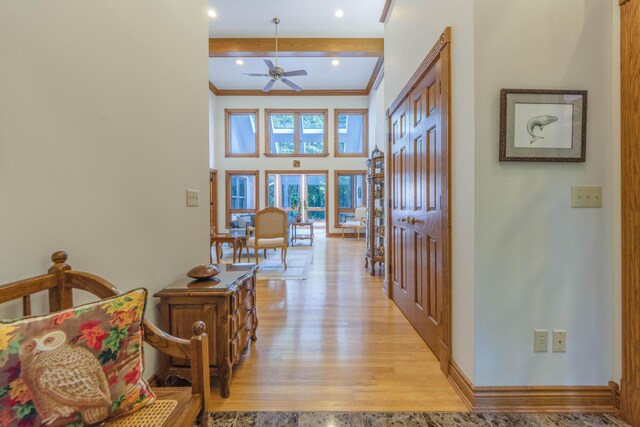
(75, 367)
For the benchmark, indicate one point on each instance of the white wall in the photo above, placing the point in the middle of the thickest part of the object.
(330, 163)
(411, 30)
(540, 263)
(103, 125)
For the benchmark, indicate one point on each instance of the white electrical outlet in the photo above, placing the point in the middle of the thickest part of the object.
(540, 338)
(559, 341)
(192, 198)
(586, 197)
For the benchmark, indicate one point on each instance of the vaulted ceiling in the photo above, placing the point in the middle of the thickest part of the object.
(345, 65)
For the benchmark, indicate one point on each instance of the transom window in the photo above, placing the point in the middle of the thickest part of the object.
(350, 193)
(296, 133)
(241, 195)
(351, 133)
(241, 133)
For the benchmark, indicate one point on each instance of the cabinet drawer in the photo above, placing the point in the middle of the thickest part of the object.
(240, 343)
(240, 317)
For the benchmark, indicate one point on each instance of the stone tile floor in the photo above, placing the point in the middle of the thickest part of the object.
(431, 419)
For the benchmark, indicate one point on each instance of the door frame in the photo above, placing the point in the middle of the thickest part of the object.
(630, 178)
(300, 172)
(440, 51)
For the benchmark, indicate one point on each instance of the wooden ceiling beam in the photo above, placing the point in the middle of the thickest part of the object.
(312, 92)
(306, 47)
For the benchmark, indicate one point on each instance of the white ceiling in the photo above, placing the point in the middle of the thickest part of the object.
(351, 73)
(299, 18)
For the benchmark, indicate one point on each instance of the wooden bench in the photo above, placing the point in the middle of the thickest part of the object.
(60, 281)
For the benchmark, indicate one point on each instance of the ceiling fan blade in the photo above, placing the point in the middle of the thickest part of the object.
(267, 88)
(295, 73)
(291, 84)
(269, 64)
(255, 75)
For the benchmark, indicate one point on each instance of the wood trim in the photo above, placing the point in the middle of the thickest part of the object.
(532, 398)
(365, 133)
(385, 11)
(323, 92)
(445, 112)
(630, 209)
(213, 89)
(295, 155)
(461, 384)
(296, 131)
(336, 174)
(228, 112)
(621, 2)
(615, 394)
(213, 199)
(374, 75)
(227, 194)
(307, 47)
(444, 40)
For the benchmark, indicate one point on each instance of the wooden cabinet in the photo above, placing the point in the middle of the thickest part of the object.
(226, 304)
(375, 211)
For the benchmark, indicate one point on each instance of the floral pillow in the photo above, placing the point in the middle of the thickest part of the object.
(74, 367)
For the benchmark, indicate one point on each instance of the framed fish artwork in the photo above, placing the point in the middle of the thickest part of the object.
(543, 125)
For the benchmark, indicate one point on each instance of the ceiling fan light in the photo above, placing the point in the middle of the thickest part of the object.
(339, 13)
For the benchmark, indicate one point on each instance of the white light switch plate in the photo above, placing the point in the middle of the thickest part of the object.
(586, 196)
(192, 198)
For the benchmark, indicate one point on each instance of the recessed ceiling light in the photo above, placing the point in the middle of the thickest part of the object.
(240, 62)
(212, 13)
(335, 62)
(339, 13)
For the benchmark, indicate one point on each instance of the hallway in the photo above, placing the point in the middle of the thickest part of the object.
(335, 343)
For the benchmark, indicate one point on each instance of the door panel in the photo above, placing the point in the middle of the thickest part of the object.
(416, 174)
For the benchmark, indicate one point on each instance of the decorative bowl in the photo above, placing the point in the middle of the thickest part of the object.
(203, 272)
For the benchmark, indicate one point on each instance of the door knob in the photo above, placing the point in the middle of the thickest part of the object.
(403, 219)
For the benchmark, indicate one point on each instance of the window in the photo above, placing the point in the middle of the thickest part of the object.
(241, 195)
(350, 193)
(286, 189)
(241, 137)
(351, 133)
(296, 133)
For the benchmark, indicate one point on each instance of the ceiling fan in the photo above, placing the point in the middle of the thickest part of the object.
(277, 73)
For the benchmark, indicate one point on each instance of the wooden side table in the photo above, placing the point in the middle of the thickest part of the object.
(226, 304)
(294, 231)
(236, 241)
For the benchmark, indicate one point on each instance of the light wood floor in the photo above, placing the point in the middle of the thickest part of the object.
(335, 342)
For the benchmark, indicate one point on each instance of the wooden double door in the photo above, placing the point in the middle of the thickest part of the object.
(419, 215)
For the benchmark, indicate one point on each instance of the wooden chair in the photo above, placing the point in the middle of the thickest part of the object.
(359, 221)
(270, 232)
(60, 282)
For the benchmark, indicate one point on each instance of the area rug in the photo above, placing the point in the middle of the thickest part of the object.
(299, 260)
